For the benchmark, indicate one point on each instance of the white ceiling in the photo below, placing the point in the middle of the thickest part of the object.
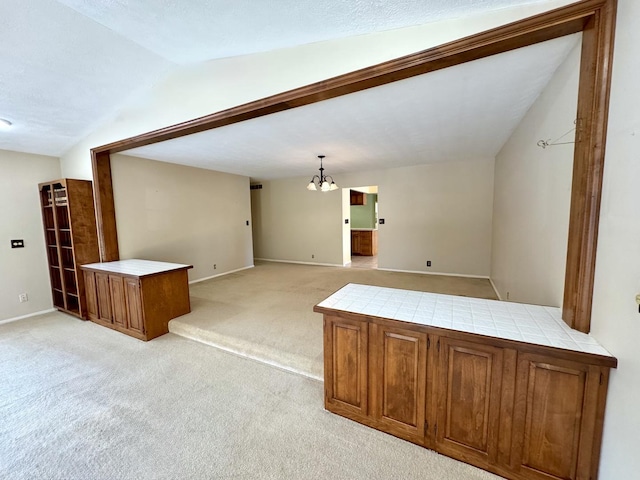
(459, 113)
(68, 65)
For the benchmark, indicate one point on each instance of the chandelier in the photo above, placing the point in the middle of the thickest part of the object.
(323, 182)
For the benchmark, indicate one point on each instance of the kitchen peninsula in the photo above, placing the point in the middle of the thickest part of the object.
(507, 387)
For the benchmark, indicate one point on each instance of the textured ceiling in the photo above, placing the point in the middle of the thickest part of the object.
(197, 30)
(462, 112)
(69, 65)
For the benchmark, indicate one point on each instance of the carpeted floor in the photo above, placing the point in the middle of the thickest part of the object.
(79, 401)
(265, 313)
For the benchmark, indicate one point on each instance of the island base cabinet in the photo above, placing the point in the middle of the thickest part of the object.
(504, 408)
(138, 306)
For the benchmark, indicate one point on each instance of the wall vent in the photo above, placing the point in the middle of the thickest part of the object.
(256, 187)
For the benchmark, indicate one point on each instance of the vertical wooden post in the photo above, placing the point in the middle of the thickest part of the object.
(591, 132)
(105, 208)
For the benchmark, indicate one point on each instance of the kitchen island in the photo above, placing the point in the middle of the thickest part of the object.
(507, 387)
(136, 297)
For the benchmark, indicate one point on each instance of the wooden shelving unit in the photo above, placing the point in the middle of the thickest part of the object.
(69, 221)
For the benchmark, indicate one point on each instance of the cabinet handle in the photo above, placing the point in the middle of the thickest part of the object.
(428, 343)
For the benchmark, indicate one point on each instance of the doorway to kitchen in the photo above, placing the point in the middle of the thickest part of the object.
(363, 206)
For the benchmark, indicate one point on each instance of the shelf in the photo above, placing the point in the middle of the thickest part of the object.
(67, 246)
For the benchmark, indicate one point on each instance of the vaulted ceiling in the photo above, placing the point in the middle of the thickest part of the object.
(67, 66)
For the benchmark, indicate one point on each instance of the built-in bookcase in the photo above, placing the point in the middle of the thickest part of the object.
(71, 238)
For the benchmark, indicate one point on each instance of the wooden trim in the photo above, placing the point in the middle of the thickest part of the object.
(592, 118)
(105, 208)
(595, 18)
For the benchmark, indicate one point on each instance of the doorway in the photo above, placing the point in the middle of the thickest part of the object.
(363, 227)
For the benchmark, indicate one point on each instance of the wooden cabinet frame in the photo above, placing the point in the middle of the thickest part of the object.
(594, 18)
(523, 411)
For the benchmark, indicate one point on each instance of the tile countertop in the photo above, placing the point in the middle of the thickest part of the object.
(136, 267)
(533, 324)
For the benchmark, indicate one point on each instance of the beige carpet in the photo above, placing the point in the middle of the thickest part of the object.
(265, 313)
(82, 402)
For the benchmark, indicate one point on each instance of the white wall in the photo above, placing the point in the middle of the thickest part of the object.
(533, 194)
(205, 88)
(616, 321)
(439, 212)
(181, 214)
(23, 270)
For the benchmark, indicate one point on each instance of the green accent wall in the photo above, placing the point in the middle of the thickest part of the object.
(364, 216)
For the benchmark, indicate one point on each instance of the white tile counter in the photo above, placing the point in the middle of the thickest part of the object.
(511, 321)
(136, 267)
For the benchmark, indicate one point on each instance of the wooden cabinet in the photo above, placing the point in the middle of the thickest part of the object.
(559, 408)
(515, 409)
(346, 356)
(364, 242)
(468, 391)
(358, 198)
(398, 377)
(71, 238)
(137, 297)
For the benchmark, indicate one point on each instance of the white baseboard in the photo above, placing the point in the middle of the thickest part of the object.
(435, 273)
(300, 263)
(220, 274)
(495, 289)
(34, 314)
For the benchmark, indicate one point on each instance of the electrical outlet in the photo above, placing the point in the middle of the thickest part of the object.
(23, 297)
(214, 266)
(313, 256)
(507, 295)
(428, 263)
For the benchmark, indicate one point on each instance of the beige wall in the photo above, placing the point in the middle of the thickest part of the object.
(182, 214)
(23, 270)
(439, 212)
(532, 196)
(616, 321)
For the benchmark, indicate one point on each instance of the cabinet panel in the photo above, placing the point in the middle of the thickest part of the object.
(469, 391)
(399, 380)
(118, 302)
(134, 304)
(346, 365)
(549, 417)
(104, 297)
(91, 294)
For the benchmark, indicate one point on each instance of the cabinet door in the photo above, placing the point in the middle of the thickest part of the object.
(104, 297)
(468, 391)
(554, 418)
(134, 304)
(345, 367)
(366, 245)
(91, 294)
(355, 242)
(398, 380)
(118, 302)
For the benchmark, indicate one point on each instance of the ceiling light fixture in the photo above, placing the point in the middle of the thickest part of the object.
(5, 123)
(322, 181)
